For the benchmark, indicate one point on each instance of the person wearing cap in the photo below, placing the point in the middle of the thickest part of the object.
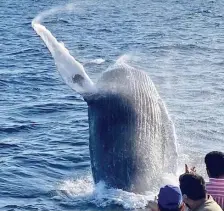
(214, 162)
(169, 199)
(194, 193)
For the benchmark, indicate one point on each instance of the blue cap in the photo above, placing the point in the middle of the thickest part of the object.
(170, 197)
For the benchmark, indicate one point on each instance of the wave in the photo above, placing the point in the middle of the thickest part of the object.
(17, 128)
(27, 50)
(6, 145)
(185, 47)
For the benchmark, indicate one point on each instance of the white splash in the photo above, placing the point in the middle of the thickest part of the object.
(123, 60)
(81, 191)
(96, 61)
(39, 18)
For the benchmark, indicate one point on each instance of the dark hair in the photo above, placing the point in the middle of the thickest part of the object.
(215, 164)
(192, 185)
(180, 208)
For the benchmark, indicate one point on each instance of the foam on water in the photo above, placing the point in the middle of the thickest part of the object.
(83, 191)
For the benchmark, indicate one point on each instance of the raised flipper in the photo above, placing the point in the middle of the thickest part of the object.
(70, 70)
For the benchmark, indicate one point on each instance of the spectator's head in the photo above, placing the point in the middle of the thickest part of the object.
(214, 162)
(192, 187)
(170, 199)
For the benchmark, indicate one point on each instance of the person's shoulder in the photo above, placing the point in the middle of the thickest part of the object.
(211, 205)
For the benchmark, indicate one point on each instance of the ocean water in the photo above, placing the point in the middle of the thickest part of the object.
(44, 156)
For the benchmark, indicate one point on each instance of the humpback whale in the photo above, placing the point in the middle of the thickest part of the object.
(131, 136)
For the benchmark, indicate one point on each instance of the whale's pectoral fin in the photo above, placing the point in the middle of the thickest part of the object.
(168, 140)
(70, 70)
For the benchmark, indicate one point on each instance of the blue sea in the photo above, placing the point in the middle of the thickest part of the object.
(44, 154)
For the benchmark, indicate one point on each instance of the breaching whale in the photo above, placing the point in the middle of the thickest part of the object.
(131, 136)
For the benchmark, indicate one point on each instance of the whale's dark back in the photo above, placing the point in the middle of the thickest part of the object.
(127, 142)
